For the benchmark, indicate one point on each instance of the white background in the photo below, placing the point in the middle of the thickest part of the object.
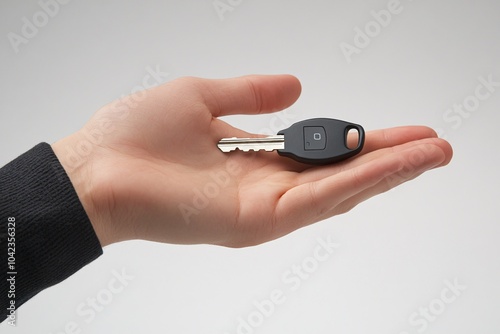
(395, 251)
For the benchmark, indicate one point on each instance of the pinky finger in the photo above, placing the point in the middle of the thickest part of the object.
(314, 201)
(389, 182)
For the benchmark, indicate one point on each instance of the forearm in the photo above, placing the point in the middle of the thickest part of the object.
(53, 236)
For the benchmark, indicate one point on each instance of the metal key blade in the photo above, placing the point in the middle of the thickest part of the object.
(269, 143)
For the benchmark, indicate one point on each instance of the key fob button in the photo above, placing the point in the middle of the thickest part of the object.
(314, 138)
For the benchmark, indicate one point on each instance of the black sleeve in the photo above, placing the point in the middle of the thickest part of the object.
(45, 234)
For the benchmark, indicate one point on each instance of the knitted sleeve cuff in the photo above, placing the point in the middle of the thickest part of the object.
(53, 235)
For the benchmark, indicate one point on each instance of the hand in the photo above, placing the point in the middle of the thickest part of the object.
(147, 166)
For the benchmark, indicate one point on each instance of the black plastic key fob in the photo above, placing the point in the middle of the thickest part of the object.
(320, 141)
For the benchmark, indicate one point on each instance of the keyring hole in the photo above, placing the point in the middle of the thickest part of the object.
(352, 139)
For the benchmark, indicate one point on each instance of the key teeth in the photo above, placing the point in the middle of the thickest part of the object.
(226, 149)
(248, 149)
(267, 144)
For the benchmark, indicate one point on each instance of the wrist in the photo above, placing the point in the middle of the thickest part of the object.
(76, 156)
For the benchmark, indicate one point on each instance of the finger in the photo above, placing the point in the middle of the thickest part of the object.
(309, 202)
(381, 187)
(408, 173)
(441, 143)
(254, 94)
(383, 138)
(315, 174)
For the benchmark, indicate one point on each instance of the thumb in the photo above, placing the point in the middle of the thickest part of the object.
(253, 94)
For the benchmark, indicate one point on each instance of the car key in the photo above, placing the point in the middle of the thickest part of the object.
(316, 141)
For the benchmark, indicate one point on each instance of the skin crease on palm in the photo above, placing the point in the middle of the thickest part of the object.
(157, 152)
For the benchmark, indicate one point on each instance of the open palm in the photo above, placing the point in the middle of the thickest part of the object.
(157, 173)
